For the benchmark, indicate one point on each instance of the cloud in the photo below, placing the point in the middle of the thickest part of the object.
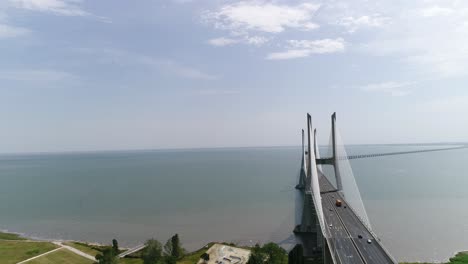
(305, 48)
(121, 57)
(289, 54)
(262, 16)
(220, 42)
(428, 39)
(248, 40)
(434, 11)
(59, 7)
(35, 75)
(352, 24)
(391, 88)
(7, 31)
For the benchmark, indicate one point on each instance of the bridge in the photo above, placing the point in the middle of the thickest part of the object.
(331, 223)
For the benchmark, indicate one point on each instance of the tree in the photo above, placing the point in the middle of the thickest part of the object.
(275, 253)
(115, 247)
(173, 247)
(205, 256)
(152, 253)
(270, 253)
(177, 250)
(107, 257)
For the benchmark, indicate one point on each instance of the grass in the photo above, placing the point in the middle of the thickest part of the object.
(9, 236)
(16, 251)
(131, 261)
(61, 256)
(460, 258)
(193, 257)
(88, 249)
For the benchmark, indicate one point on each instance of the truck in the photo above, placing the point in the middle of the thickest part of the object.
(338, 203)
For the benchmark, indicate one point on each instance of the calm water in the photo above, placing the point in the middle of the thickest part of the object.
(417, 203)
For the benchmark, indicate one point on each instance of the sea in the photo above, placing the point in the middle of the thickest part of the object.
(417, 203)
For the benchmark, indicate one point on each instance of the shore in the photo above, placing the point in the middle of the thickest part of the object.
(18, 249)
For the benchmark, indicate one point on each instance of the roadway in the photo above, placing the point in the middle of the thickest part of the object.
(344, 228)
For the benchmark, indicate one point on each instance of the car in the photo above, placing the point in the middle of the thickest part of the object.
(345, 206)
(359, 236)
(330, 225)
(369, 241)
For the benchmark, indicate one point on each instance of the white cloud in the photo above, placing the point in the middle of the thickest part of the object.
(288, 54)
(391, 88)
(354, 23)
(256, 40)
(7, 31)
(434, 11)
(263, 16)
(305, 48)
(220, 42)
(59, 7)
(35, 75)
(319, 46)
(428, 39)
(125, 58)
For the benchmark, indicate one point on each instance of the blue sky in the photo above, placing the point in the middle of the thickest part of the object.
(104, 75)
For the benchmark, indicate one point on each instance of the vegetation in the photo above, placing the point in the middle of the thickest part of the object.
(61, 256)
(193, 257)
(9, 236)
(86, 248)
(130, 261)
(269, 253)
(152, 253)
(16, 251)
(173, 247)
(109, 255)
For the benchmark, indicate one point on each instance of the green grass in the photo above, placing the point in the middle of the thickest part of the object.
(9, 236)
(193, 257)
(16, 251)
(88, 249)
(131, 261)
(61, 256)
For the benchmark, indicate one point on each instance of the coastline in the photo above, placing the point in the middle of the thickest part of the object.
(9, 236)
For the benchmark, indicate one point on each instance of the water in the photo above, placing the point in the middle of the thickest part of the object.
(417, 203)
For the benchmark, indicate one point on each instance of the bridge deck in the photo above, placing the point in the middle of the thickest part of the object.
(345, 229)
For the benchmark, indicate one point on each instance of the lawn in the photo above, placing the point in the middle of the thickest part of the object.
(9, 236)
(16, 251)
(193, 257)
(460, 258)
(61, 256)
(93, 251)
(130, 261)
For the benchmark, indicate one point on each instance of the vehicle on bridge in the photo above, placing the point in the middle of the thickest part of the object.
(338, 203)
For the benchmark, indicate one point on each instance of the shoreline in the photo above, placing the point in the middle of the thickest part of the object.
(18, 236)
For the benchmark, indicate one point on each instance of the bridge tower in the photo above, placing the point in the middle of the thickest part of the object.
(308, 230)
(333, 160)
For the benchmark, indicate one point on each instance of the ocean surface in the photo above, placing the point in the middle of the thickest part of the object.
(417, 203)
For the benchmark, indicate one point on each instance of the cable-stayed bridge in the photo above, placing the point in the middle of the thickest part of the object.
(331, 223)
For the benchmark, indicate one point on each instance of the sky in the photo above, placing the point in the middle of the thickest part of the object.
(84, 75)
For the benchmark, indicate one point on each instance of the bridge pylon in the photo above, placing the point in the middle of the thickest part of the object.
(308, 231)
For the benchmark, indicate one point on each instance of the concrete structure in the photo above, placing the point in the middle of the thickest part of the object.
(328, 233)
(223, 254)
